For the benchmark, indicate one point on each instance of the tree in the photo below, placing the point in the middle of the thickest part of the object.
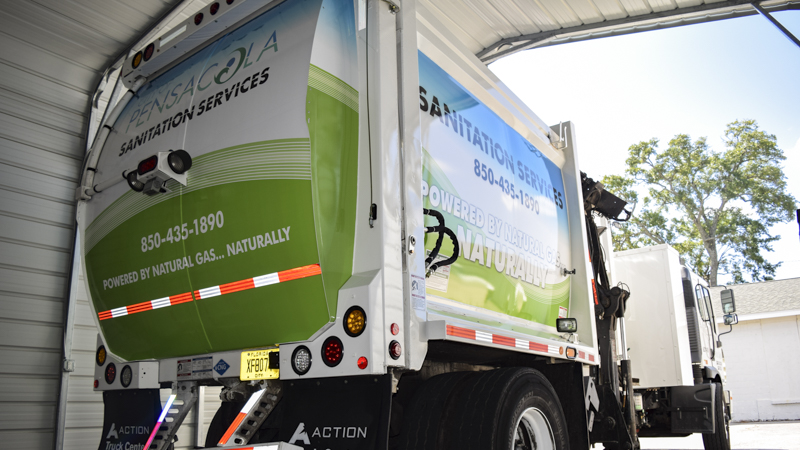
(715, 208)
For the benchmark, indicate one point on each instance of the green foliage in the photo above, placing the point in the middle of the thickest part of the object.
(715, 208)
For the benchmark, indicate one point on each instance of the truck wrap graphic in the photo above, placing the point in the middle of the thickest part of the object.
(502, 197)
(269, 114)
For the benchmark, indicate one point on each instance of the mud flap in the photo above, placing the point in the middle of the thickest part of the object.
(692, 409)
(129, 418)
(349, 413)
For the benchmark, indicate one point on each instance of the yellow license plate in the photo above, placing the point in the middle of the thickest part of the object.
(256, 365)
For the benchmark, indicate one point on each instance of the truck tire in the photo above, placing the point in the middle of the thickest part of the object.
(506, 409)
(720, 439)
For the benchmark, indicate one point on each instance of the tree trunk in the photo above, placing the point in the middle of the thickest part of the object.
(713, 265)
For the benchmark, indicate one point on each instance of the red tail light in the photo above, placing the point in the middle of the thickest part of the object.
(332, 351)
(148, 165)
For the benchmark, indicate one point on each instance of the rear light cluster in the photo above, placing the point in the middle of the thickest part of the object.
(332, 351)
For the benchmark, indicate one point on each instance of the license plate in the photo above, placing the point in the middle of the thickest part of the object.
(260, 365)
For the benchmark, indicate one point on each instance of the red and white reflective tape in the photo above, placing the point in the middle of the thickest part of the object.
(497, 339)
(214, 291)
(241, 416)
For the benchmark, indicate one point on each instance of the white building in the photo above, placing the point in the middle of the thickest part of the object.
(761, 352)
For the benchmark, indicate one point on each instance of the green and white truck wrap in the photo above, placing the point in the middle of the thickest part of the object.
(335, 211)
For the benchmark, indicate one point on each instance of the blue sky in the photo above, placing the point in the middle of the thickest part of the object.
(693, 79)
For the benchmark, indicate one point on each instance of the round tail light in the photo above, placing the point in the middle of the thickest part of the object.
(301, 360)
(100, 356)
(111, 373)
(137, 59)
(395, 350)
(148, 51)
(355, 321)
(362, 363)
(126, 376)
(332, 351)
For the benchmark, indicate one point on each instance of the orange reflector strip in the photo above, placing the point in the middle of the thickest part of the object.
(237, 286)
(213, 291)
(300, 272)
(594, 291)
(231, 429)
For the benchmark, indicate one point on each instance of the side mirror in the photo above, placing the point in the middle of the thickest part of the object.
(728, 305)
(731, 319)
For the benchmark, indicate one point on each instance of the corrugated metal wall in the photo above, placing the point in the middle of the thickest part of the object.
(52, 53)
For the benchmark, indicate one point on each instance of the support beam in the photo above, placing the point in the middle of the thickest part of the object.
(786, 32)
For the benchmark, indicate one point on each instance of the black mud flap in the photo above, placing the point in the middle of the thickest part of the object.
(692, 409)
(129, 418)
(349, 413)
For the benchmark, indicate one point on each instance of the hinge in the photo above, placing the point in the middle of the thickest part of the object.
(68, 365)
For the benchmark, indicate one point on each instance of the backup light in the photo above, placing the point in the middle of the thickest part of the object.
(100, 356)
(111, 373)
(567, 325)
(355, 321)
(126, 376)
(332, 351)
(301, 360)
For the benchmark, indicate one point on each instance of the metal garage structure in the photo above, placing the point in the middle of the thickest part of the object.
(55, 81)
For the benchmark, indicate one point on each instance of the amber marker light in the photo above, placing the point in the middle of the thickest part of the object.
(571, 353)
(100, 356)
(355, 321)
(137, 59)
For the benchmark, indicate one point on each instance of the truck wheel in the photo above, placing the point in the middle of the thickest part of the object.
(506, 409)
(720, 439)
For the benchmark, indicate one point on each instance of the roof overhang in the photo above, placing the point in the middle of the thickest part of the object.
(497, 28)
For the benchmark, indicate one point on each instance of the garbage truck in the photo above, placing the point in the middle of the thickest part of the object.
(335, 212)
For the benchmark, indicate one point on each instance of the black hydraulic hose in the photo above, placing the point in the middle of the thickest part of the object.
(440, 218)
(456, 250)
